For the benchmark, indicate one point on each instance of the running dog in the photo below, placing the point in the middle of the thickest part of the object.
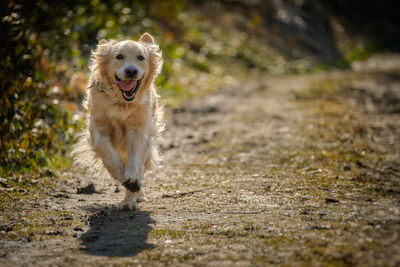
(123, 114)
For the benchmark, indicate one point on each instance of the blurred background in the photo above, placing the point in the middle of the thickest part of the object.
(46, 45)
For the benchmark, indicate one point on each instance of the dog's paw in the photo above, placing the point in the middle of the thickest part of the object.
(132, 180)
(128, 204)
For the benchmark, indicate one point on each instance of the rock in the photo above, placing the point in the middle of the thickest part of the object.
(53, 233)
(331, 200)
(61, 196)
(318, 227)
(87, 190)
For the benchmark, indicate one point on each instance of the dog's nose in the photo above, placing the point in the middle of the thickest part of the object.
(131, 72)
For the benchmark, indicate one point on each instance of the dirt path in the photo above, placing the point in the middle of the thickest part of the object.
(287, 170)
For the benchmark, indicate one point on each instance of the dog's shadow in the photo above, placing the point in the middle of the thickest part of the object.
(117, 233)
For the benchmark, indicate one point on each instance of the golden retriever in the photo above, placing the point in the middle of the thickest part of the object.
(123, 115)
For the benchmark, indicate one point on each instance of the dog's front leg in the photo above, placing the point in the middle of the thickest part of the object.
(111, 159)
(134, 171)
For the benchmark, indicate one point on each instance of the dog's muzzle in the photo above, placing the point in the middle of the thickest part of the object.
(128, 87)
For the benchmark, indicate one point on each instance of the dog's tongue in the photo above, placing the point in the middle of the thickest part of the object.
(126, 86)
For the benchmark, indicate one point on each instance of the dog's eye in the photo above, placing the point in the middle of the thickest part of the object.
(141, 58)
(119, 57)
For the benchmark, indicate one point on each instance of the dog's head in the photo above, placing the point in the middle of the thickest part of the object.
(127, 68)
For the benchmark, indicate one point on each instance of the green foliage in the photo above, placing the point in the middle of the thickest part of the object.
(36, 126)
(359, 52)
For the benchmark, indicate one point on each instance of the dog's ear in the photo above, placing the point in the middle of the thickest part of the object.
(146, 38)
(154, 52)
(103, 48)
(101, 55)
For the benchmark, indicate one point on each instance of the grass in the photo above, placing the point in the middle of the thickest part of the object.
(17, 188)
(169, 233)
(39, 225)
(340, 124)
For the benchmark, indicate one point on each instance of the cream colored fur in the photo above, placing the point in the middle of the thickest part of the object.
(120, 135)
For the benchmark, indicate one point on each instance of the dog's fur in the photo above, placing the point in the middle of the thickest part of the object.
(120, 134)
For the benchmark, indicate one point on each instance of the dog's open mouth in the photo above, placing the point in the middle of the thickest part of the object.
(128, 87)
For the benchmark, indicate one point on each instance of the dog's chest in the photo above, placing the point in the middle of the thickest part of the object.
(121, 132)
(118, 135)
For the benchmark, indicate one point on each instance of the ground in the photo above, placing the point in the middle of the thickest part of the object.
(285, 170)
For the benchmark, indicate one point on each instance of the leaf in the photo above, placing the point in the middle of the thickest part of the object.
(24, 144)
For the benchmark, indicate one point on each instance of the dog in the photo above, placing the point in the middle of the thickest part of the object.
(123, 114)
